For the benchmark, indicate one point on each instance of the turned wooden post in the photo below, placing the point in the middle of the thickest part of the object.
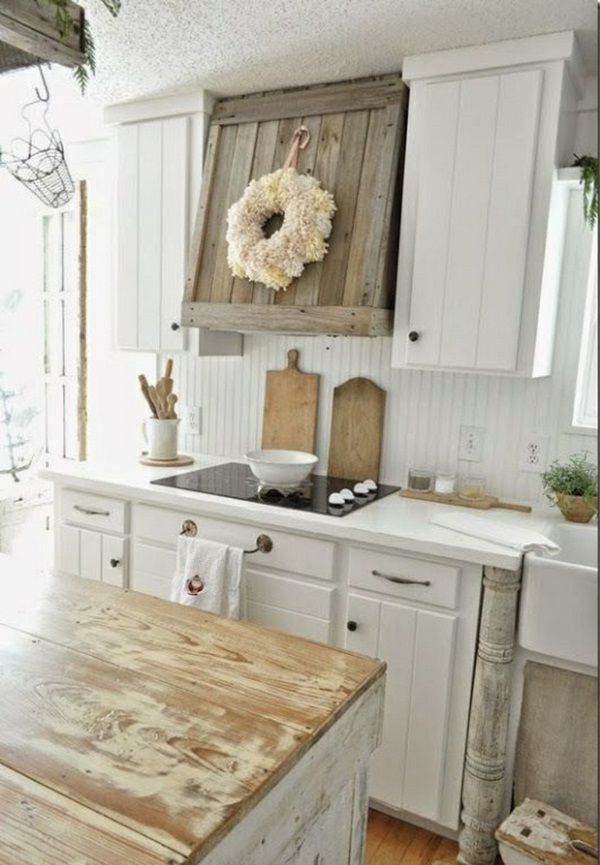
(485, 763)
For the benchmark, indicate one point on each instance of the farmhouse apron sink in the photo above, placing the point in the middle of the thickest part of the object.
(559, 603)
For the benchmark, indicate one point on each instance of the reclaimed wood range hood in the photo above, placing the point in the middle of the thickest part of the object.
(28, 35)
(355, 149)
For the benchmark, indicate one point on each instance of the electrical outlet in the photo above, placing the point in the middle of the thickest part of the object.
(533, 453)
(470, 445)
(194, 420)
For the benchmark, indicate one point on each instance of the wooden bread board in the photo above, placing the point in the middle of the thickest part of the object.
(290, 412)
(483, 504)
(356, 430)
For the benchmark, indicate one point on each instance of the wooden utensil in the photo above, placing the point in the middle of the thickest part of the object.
(171, 400)
(290, 412)
(483, 504)
(356, 430)
(154, 396)
(145, 390)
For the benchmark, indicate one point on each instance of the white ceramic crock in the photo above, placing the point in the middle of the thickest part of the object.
(161, 438)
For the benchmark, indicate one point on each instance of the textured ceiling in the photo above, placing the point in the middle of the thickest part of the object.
(240, 46)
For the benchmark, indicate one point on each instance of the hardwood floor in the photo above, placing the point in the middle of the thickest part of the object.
(392, 842)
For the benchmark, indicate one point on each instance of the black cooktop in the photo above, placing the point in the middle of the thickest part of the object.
(236, 481)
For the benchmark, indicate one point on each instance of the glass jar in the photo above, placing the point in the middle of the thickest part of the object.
(472, 487)
(420, 480)
(445, 484)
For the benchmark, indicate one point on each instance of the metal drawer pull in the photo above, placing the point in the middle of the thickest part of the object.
(91, 512)
(403, 581)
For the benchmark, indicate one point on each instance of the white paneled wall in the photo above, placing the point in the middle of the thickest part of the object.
(424, 409)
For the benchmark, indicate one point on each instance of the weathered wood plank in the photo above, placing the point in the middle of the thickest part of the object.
(334, 265)
(358, 321)
(243, 156)
(198, 237)
(285, 131)
(370, 207)
(31, 27)
(306, 165)
(43, 827)
(306, 291)
(319, 99)
(262, 163)
(213, 222)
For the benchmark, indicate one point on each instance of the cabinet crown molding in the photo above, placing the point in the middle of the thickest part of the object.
(153, 108)
(493, 55)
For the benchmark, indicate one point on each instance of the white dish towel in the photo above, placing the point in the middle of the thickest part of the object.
(515, 537)
(208, 576)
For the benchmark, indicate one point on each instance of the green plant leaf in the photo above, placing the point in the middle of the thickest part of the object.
(577, 477)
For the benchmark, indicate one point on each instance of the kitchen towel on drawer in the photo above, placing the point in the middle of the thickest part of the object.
(420, 580)
(95, 512)
(297, 554)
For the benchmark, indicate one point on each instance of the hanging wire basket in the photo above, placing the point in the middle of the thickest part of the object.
(38, 161)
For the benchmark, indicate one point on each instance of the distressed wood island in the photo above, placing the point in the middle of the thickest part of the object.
(137, 731)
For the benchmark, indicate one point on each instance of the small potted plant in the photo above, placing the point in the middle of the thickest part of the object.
(573, 486)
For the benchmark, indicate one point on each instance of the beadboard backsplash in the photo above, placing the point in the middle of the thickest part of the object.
(424, 411)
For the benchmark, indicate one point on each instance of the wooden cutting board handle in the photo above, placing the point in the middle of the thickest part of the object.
(292, 359)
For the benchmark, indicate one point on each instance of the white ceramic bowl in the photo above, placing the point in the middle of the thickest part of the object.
(281, 468)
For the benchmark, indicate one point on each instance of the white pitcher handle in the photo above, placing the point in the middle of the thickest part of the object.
(144, 432)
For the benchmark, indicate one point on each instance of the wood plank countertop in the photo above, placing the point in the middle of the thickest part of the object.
(137, 731)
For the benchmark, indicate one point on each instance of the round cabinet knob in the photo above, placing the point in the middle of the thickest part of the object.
(174, 326)
(114, 563)
(413, 335)
(352, 626)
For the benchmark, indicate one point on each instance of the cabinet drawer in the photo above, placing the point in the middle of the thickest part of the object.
(152, 570)
(288, 594)
(93, 555)
(426, 582)
(286, 620)
(301, 555)
(95, 512)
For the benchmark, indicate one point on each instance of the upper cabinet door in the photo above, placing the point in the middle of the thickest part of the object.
(476, 161)
(152, 232)
(483, 212)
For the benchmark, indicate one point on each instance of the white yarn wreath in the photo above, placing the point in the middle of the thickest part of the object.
(307, 210)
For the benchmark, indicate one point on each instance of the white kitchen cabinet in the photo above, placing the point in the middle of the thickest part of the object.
(478, 271)
(91, 554)
(430, 656)
(152, 232)
(159, 149)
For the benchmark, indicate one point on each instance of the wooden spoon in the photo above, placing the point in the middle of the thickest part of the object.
(171, 400)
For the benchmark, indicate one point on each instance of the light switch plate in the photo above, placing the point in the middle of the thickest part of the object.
(533, 453)
(470, 446)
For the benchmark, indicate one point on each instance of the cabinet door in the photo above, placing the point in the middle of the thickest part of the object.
(67, 552)
(152, 232)
(90, 557)
(407, 771)
(477, 141)
(114, 560)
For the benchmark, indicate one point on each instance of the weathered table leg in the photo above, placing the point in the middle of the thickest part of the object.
(485, 763)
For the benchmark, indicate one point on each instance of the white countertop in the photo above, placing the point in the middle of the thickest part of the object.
(393, 522)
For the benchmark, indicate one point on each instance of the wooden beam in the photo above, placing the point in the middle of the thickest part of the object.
(31, 27)
(357, 321)
(304, 102)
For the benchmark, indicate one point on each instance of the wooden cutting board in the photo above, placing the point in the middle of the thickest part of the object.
(356, 430)
(290, 412)
(483, 504)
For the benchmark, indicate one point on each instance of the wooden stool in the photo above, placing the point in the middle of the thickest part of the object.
(535, 832)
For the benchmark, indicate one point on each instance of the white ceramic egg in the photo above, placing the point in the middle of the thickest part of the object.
(370, 485)
(336, 499)
(347, 495)
(361, 489)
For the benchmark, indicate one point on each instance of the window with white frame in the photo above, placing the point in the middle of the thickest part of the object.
(585, 413)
